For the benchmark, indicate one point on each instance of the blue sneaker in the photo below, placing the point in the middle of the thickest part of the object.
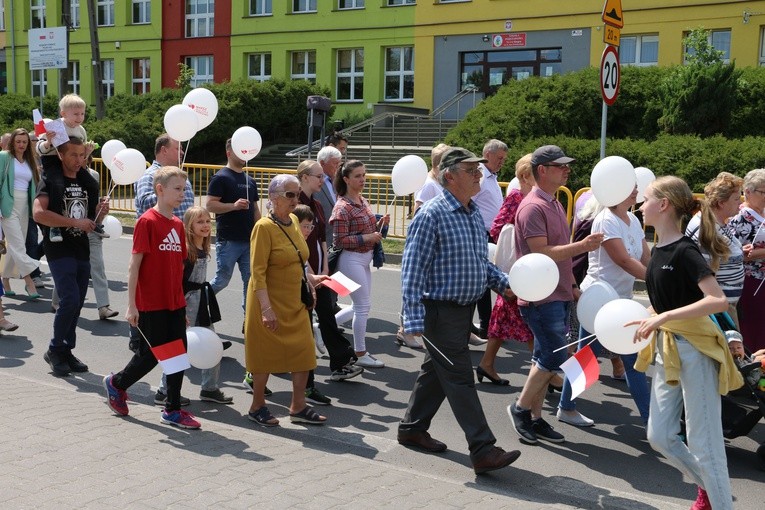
(182, 419)
(116, 398)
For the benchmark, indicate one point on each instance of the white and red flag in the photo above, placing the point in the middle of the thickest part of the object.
(39, 123)
(172, 356)
(341, 284)
(582, 370)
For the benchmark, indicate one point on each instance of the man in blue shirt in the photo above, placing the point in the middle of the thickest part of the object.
(167, 152)
(232, 196)
(445, 271)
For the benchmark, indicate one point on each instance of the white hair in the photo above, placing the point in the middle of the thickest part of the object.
(328, 153)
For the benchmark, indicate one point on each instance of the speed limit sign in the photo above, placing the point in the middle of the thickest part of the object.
(610, 75)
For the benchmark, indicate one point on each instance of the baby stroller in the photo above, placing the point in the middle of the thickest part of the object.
(743, 408)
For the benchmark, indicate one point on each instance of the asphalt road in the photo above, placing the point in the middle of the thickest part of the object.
(610, 465)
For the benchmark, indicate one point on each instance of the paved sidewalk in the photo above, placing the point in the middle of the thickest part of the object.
(63, 448)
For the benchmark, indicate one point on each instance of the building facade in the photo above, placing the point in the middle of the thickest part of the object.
(403, 53)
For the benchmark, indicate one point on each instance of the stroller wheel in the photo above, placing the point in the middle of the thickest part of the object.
(761, 456)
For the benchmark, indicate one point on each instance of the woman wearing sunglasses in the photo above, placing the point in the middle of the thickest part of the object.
(356, 231)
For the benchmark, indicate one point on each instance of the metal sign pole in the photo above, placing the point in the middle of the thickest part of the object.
(603, 122)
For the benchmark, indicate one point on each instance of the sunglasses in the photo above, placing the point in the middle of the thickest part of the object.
(291, 195)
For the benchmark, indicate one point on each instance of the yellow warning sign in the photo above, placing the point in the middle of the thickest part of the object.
(612, 13)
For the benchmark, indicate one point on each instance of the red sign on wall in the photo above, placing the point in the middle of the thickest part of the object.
(508, 40)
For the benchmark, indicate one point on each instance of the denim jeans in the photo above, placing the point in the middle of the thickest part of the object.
(227, 255)
(703, 459)
(71, 277)
(636, 381)
(548, 323)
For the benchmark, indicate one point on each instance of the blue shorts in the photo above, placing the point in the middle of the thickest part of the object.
(549, 324)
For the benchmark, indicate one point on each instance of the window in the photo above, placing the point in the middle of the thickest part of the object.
(203, 69)
(141, 12)
(37, 11)
(304, 66)
(399, 74)
(719, 40)
(260, 8)
(762, 47)
(73, 82)
(303, 5)
(2, 14)
(401, 2)
(489, 70)
(74, 13)
(259, 66)
(452, 1)
(39, 83)
(107, 78)
(105, 13)
(141, 76)
(350, 4)
(350, 75)
(639, 50)
(200, 18)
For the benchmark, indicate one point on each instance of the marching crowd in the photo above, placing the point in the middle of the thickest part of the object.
(318, 222)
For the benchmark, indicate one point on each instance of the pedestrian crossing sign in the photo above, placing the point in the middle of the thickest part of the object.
(612, 13)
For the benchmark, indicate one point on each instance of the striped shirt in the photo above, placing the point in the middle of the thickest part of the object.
(730, 275)
(446, 259)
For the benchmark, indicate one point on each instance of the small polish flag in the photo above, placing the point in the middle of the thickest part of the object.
(582, 370)
(38, 122)
(172, 356)
(341, 284)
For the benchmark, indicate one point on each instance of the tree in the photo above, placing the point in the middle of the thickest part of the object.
(698, 98)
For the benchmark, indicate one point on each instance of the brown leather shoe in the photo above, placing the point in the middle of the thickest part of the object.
(422, 440)
(496, 458)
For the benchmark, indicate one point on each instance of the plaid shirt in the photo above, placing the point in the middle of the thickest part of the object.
(446, 259)
(146, 195)
(350, 221)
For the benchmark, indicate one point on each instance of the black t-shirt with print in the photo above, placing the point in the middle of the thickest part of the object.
(75, 205)
(673, 275)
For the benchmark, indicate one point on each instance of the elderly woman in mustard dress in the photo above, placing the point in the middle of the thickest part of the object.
(278, 336)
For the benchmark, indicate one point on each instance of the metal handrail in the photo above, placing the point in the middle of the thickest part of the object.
(470, 89)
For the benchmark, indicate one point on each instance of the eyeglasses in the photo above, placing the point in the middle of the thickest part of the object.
(291, 195)
(556, 165)
(307, 226)
(473, 171)
(761, 192)
(316, 175)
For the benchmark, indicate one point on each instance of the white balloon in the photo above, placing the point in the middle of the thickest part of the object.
(246, 143)
(205, 347)
(610, 329)
(534, 277)
(181, 122)
(112, 226)
(128, 165)
(204, 103)
(492, 251)
(408, 175)
(514, 184)
(109, 150)
(591, 301)
(644, 177)
(612, 180)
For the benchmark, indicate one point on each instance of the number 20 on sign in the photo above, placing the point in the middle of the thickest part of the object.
(610, 75)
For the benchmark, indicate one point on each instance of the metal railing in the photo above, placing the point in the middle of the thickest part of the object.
(378, 191)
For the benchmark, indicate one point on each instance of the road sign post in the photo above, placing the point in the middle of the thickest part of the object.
(610, 75)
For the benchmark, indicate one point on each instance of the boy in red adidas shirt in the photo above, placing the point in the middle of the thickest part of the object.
(156, 304)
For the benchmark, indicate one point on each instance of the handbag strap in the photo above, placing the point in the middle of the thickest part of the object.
(302, 264)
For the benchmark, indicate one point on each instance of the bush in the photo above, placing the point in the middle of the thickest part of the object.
(695, 159)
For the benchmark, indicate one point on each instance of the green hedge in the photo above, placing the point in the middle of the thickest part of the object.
(696, 160)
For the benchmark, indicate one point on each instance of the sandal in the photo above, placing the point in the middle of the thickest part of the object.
(308, 416)
(263, 417)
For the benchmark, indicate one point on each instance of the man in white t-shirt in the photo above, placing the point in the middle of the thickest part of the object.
(488, 200)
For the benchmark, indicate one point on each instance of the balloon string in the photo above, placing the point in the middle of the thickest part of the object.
(111, 190)
(576, 342)
(185, 153)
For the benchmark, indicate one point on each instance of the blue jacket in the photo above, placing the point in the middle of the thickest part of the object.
(7, 176)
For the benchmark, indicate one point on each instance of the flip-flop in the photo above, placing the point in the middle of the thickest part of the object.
(307, 416)
(263, 417)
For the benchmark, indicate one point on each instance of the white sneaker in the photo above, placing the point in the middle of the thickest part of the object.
(574, 418)
(367, 360)
(476, 340)
(318, 339)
